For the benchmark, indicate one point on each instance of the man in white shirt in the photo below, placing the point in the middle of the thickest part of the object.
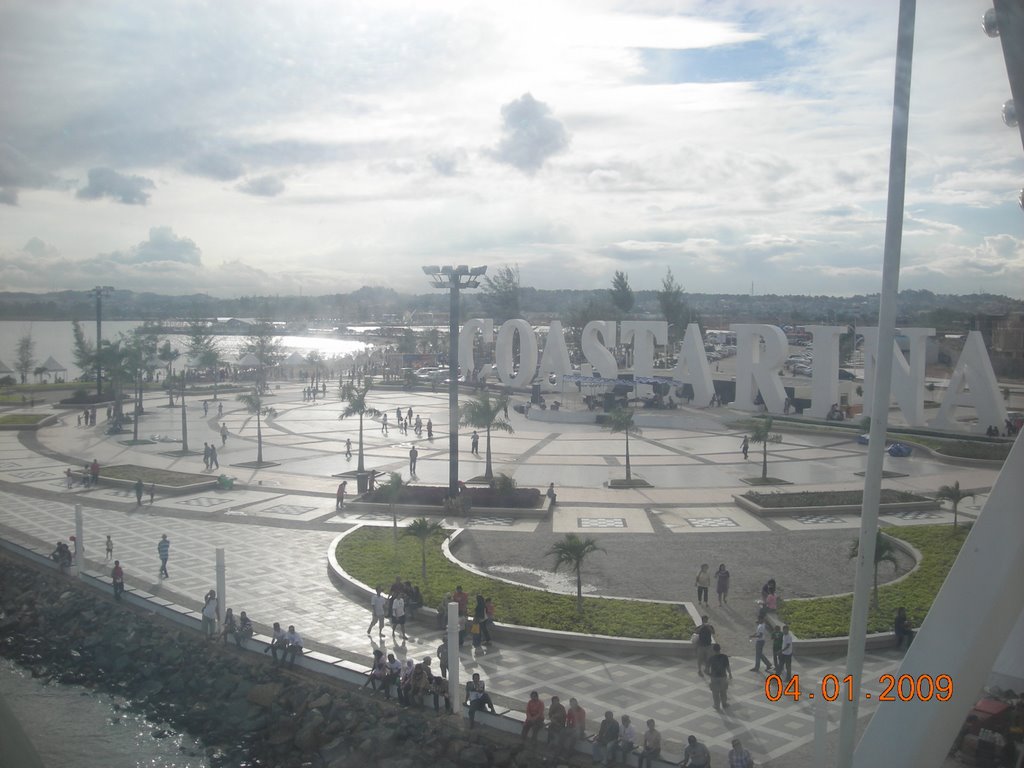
(398, 612)
(786, 654)
(378, 606)
(759, 637)
(620, 749)
(277, 640)
(292, 645)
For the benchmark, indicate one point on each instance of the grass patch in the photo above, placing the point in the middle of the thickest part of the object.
(826, 498)
(150, 475)
(967, 449)
(830, 616)
(14, 419)
(369, 555)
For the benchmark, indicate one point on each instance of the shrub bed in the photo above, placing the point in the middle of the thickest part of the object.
(826, 498)
(369, 555)
(429, 495)
(148, 475)
(830, 616)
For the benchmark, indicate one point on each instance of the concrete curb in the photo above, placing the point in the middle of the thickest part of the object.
(840, 509)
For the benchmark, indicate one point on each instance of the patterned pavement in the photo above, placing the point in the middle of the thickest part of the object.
(276, 530)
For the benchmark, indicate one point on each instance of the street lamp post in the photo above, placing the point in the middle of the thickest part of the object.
(454, 279)
(99, 292)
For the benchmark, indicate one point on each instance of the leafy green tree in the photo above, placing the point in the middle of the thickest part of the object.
(167, 355)
(316, 360)
(485, 413)
(885, 552)
(954, 496)
(84, 352)
(205, 350)
(763, 434)
(674, 307)
(621, 294)
(572, 551)
(581, 313)
(620, 421)
(265, 346)
(500, 295)
(25, 357)
(357, 406)
(253, 402)
(424, 530)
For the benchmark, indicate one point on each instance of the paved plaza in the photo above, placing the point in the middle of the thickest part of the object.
(278, 522)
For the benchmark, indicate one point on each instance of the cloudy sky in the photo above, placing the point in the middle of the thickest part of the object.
(254, 147)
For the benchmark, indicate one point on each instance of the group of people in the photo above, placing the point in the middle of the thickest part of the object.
(703, 584)
(406, 422)
(210, 460)
(90, 475)
(412, 681)
(476, 624)
(403, 600)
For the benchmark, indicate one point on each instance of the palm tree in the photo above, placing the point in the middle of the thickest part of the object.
(572, 551)
(484, 413)
(424, 530)
(763, 434)
(356, 397)
(621, 420)
(954, 496)
(253, 403)
(391, 490)
(885, 552)
(167, 355)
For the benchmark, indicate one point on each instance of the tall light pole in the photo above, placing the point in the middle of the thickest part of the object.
(99, 292)
(454, 279)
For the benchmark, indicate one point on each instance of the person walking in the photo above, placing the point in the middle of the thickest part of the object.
(474, 443)
(378, 611)
(214, 461)
(759, 637)
(703, 581)
(384, 424)
(163, 548)
(152, 493)
(722, 584)
(110, 549)
(223, 435)
(117, 579)
(705, 634)
(348, 448)
(720, 673)
(745, 447)
(776, 646)
(138, 492)
(413, 455)
(211, 613)
(339, 501)
(206, 455)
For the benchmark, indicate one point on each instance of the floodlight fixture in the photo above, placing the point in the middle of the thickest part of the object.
(990, 23)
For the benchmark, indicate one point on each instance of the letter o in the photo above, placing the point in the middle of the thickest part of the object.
(527, 353)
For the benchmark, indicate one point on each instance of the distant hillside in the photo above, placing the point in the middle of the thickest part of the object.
(383, 305)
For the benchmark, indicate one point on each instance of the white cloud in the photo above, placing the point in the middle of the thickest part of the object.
(741, 140)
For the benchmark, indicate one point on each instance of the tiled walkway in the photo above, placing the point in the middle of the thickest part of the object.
(276, 531)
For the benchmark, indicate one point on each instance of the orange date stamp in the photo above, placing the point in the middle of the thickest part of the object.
(834, 688)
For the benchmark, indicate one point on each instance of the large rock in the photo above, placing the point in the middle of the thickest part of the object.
(474, 757)
(264, 694)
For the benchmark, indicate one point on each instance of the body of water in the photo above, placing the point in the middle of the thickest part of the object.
(54, 339)
(73, 726)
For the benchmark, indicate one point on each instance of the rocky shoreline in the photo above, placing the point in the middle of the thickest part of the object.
(247, 712)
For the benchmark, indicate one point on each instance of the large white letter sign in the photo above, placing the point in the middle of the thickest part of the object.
(755, 371)
(597, 339)
(645, 335)
(555, 358)
(527, 353)
(466, 338)
(974, 374)
(907, 376)
(692, 366)
(825, 372)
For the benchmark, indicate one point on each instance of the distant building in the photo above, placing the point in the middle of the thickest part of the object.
(1004, 337)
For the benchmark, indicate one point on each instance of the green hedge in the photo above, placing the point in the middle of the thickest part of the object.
(826, 498)
(369, 555)
(16, 419)
(830, 616)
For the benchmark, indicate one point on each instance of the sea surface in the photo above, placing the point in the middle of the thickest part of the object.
(53, 338)
(73, 726)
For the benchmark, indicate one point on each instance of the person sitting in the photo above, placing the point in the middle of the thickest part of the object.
(230, 626)
(439, 690)
(277, 641)
(901, 628)
(292, 645)
(477, 697)
(244, 631)
(419, 684)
